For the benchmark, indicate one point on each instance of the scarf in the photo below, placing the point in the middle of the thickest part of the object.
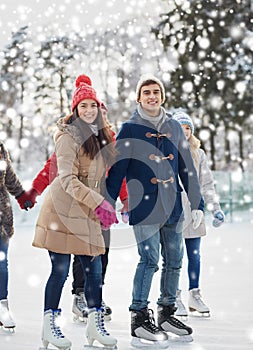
(156, 121)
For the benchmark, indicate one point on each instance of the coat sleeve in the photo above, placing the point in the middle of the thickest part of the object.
(207, 183)
(123, 190)
(12, 181)
(46, 175)
(118, 170)
(68, 164)
(188, 173)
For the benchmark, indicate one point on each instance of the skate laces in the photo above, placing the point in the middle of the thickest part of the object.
(56, 329)
(151, 320)
(198, 299)
(172, 320)
(80, 302)
(100, 321)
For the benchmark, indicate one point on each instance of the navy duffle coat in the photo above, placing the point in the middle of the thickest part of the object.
(152, 162)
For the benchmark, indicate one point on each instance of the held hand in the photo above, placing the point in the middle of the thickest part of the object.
(219, 218)
(197, 216)
(106, 214)
(124, 211)
(27, 199)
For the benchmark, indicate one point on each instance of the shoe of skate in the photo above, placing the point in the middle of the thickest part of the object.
(6, 319)
(107, 311)
(51, 332)
(168, 323)
(196, 303)
(79, 308)
(181, 310)
(145, 332)
(95, 330)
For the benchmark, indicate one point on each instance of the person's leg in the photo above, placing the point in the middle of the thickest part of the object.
(4, 275)
(59, 273)
(79, 306)
(148, 240)
(5, 317)
(193, 255)
(195, 301)
(172, 256)
(78, 276)
(142, 319)
(104, 257)
(51, 332)
(92, 268)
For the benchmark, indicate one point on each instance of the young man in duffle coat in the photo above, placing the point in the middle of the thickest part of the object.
(154, 156)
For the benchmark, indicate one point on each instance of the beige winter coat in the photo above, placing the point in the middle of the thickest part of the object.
(67, 223)
(208, 192)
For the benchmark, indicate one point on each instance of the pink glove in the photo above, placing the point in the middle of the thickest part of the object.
(106, 214)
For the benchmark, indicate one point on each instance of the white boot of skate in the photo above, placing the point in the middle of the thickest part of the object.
(51, 333)
(95, 330)
(5, 317)
(79, 308)
(196, 303)
(181, 310)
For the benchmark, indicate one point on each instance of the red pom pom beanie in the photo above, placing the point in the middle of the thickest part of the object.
(84, 90)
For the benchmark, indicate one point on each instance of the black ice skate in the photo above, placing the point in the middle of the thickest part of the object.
(144, 331)
(168, 323)
(107, 311)
(79, 308)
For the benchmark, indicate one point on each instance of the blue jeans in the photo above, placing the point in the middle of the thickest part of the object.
(149, 238)
(193, 254)
(92, 268)
(4, 275)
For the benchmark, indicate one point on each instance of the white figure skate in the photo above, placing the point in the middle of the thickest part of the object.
(51, 332)
(95, 331)
(181, 310)
(6, 320)
(196, 303)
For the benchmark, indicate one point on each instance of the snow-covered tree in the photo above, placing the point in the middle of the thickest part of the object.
(14, 80)
(212, 44)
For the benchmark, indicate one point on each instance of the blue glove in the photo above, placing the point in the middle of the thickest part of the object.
(219, 218)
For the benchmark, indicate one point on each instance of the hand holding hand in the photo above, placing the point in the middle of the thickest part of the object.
(197, 216)
(27, 199)
(219, 218)
(124, 211)
(106, 214)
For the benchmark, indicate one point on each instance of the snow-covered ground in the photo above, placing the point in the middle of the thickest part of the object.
(226, 283)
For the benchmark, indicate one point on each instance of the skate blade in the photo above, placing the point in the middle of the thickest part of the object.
(180, 338)
(94, 347)
(8, 329)
(140, 343)
(80, 319)
(54, 348)
(196, 313)
(184, 318)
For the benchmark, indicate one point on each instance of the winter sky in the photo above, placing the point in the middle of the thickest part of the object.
(72, 13)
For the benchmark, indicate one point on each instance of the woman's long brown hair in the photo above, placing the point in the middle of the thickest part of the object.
(93, 144)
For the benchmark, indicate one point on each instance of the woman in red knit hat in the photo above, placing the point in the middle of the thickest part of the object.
(74, 210)
(43, 179)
